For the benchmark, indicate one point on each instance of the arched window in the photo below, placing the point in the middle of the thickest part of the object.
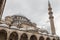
(53, 39)
(48, 38)
(13, 36)
(41, 38)
(24, 37)
(33, 37)
(3, 35)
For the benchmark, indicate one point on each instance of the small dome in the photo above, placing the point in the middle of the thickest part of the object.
(4, 25)
(43, 30)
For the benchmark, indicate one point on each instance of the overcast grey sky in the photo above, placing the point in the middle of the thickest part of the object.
(35, 10)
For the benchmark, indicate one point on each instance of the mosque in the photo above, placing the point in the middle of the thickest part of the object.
(18, 27)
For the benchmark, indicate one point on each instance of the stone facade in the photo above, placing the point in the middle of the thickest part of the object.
(18, 27)
(15, 34)
(14, 28)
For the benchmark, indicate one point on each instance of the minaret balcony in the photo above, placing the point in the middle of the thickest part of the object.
(49, 8)
(50, 13)
(51, 17)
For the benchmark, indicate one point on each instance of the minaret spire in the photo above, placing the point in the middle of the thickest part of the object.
(2, 5)
(51, 18)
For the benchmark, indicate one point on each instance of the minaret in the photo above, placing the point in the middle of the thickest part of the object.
(2, 5)
(51, 18)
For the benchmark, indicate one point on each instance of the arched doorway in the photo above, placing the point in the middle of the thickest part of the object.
(48, 39)
(3, 35)
(41, 38)
(33, 37)
(13, 36)
(53, 39)
(24, 37)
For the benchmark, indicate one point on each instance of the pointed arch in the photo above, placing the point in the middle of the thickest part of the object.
(24, 36)
(33, 37)
(48, 38)
(13, 36)
(54, 39)
(41, 38)
(3, 35)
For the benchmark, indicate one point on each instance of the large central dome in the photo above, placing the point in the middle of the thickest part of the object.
(20, 18)
(17, 20)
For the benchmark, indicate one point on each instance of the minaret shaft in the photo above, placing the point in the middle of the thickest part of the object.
(52, 26)
(51, 18)
(2, 5)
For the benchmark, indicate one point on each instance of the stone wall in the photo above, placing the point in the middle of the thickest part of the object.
(14, 34)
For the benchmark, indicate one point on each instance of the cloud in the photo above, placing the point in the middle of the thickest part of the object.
(35, 10)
